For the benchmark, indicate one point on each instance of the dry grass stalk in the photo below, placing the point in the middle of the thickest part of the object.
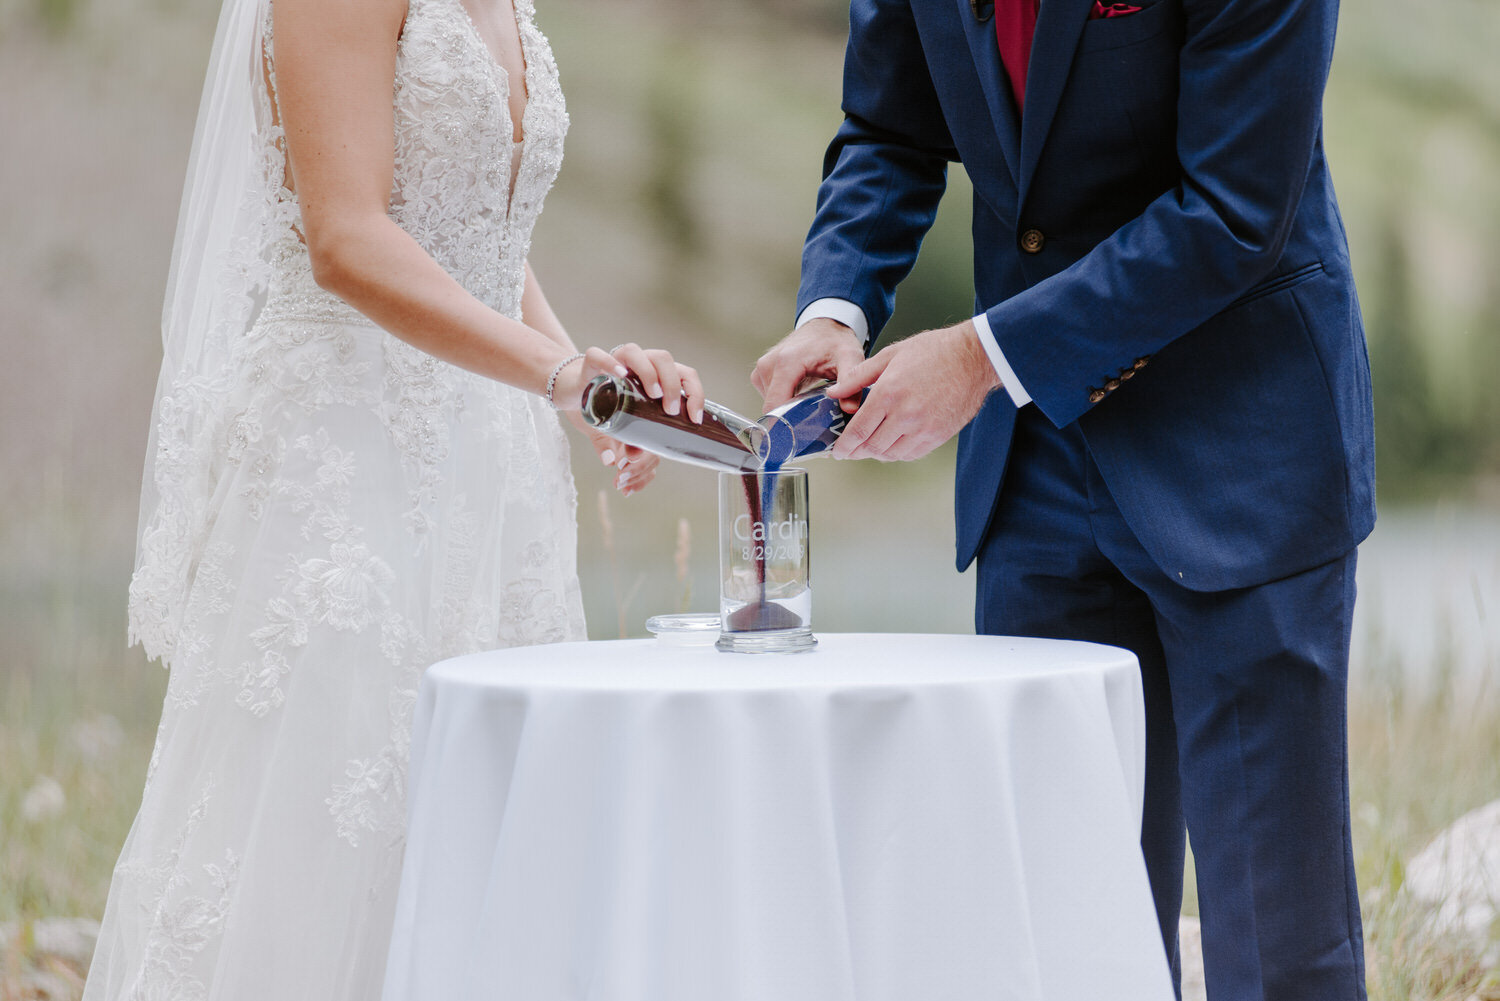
(682, 559)
(607, 539)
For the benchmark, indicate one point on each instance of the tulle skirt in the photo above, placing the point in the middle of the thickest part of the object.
(372, 510)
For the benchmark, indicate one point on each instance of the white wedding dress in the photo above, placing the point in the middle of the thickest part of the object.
(337, 510)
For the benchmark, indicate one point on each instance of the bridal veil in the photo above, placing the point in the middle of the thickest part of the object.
(215, 287)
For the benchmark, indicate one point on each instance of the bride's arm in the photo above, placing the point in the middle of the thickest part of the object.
(335, 72)
(538, 312)
(637, 468)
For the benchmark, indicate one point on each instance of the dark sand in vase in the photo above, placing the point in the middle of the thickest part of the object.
(761, 615)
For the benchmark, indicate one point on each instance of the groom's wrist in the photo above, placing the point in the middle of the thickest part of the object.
(841, 311)
(991, 345)
(974, 359)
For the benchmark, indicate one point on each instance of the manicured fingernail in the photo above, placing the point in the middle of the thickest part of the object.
(624, 461)
(608, 456)
(655, 390)
(672, 406)
(621, 370)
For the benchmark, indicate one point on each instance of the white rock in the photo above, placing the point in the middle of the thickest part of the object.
(1190, 951)
(43, 801)
(55, 967)
(98, 736)
(1458, 876)
(69, 939)
(47, 986)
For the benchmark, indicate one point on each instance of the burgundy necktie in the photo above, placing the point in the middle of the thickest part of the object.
(1015, 23)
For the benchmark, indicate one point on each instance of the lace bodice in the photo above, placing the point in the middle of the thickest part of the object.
(469, 194)
(453, 188)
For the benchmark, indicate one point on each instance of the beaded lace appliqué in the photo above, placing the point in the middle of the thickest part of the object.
(452, 190)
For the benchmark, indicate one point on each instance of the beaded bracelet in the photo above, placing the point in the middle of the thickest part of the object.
(552, 379)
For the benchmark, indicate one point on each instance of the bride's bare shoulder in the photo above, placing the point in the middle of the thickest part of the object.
(329, 23)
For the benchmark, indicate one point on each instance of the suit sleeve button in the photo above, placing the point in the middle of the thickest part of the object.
(1032, 241)
(1112, 385)
(1095, 395)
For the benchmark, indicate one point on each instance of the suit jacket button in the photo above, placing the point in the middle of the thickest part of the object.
(1095, 395)
(1032, 241)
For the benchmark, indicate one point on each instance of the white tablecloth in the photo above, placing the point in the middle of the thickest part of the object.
(887, 818)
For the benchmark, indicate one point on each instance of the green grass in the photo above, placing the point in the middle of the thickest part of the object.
(79, 709)
(1418, 762)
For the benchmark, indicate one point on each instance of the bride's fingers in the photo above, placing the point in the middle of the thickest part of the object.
(597, 361)
(637, 473)
(664, 379)
(636, 476)
(668, 377)
(611, 452)
(635, 357)
(637, 458)
(692, 392)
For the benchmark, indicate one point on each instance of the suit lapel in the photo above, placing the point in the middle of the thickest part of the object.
(1059, 25)
(986, 54)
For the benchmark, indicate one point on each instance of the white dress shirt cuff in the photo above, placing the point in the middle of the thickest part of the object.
(843, 311)
(1007, 374)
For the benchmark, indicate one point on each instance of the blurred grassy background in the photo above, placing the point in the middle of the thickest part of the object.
(698, 131)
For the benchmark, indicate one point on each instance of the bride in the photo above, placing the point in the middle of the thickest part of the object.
(354, 472)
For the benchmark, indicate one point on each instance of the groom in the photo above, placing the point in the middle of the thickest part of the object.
(1178, 458)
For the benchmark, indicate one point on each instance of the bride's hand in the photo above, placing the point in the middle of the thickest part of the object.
(674, 384)
(634, 467)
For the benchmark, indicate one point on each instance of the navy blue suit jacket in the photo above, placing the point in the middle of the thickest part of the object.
(1172, 163)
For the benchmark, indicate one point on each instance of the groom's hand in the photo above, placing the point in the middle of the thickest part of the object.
(923, 390)
(819, 349)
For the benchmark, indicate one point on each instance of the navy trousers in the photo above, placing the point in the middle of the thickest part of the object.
(1246, 721)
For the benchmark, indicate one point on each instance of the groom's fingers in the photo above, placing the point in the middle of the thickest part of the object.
(853, 380)
(821, 347)
(888, 442)
(883, 442)
(859, 428)
(912, 446)
(908, 429)
(778, 373)
(774, 371)
(863, 429)
(866, 421)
